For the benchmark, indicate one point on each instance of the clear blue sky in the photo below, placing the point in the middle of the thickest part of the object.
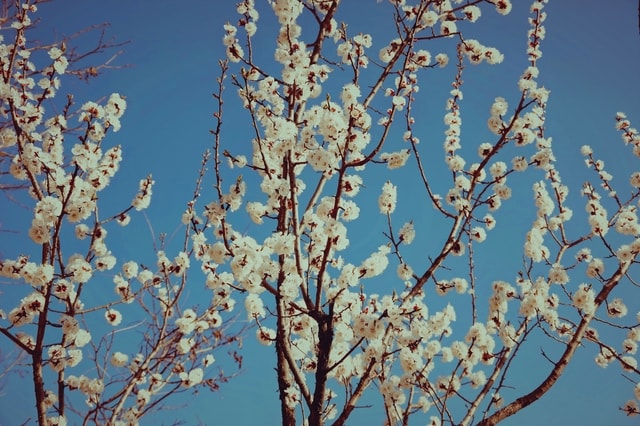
(590, 64)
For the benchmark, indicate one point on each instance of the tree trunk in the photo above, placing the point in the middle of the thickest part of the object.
(284, 375)
(325, 340)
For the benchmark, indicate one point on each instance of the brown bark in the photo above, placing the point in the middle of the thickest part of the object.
(36, 355)
(288, 414)
(325, 340)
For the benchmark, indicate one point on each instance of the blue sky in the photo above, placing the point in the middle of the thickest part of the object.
(590, 62)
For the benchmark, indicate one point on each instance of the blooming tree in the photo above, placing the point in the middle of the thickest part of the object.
(408, 322)
(434, 339)
(94, 356)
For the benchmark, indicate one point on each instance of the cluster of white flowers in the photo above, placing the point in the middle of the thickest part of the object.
(92, 388)
(189, 322)
(26, 311)
(65, 166)
(375, 264)
(37, 275)
(498, 110)
(230, 41)
(630, 135)
(407, 233)
(352, 51)
(597, 214)
(598, 165)
(306, 138)
(476, 52)
(143, 197)
(388, 198)
(333, 134)
(627, 221)
(584, 299)
(460, 285)
(395, 160)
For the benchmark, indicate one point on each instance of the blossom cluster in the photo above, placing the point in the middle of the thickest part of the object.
(336, 313)
(300, 263)
(60, 156)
